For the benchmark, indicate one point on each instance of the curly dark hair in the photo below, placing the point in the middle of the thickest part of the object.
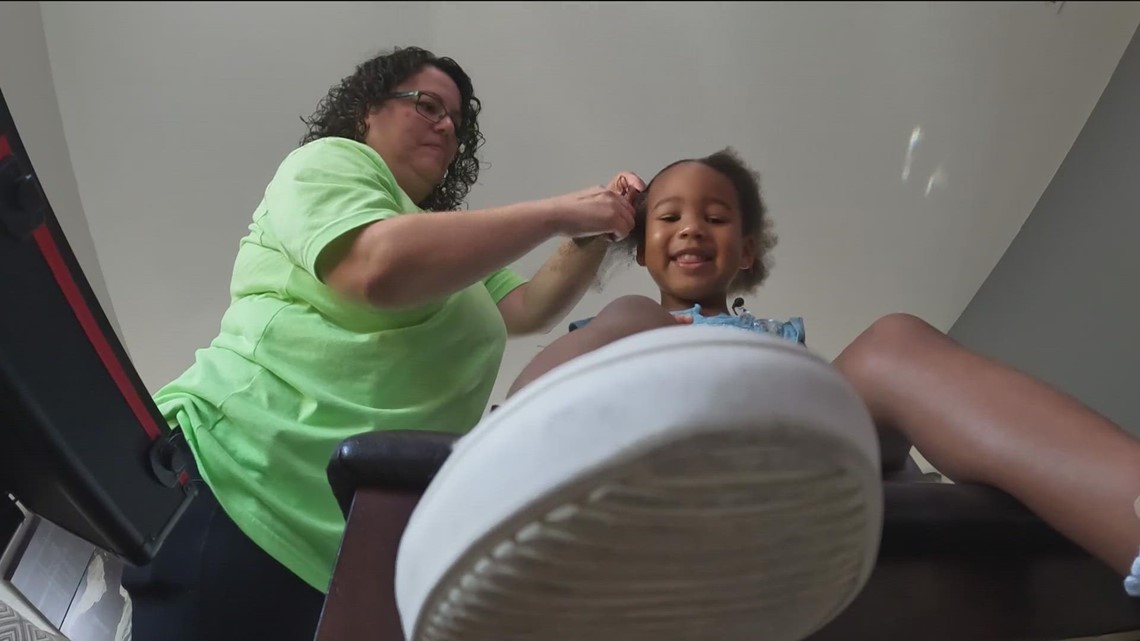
(754, 218)
(343, 110)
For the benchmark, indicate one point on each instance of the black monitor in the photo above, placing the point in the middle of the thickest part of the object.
(81, 442)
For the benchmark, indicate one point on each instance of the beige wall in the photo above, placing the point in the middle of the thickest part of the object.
(1061, 304)
(177, 114)
(26, 80)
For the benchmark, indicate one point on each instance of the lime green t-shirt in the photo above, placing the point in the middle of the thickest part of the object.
(297, 368)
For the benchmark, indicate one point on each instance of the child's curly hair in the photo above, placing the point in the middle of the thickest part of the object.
(755, 222)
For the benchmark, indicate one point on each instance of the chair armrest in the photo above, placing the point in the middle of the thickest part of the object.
(964, 520)
(955, 561)
(403, 461)
(970, 562)
(919, 519)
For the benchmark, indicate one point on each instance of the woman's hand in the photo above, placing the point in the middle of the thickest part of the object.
(594, 211)
(627, 184)
(599, 210)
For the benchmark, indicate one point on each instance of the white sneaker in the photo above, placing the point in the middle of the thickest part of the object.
(685, 483)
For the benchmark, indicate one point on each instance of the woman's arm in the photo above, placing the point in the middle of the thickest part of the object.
(416, 258)
(563, 279)
(536, 306)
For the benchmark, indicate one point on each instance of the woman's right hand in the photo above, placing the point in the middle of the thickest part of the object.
(594, 211)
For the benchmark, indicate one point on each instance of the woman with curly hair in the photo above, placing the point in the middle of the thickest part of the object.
(361, 299)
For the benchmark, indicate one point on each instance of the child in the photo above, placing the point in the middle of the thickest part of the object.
(703, 234)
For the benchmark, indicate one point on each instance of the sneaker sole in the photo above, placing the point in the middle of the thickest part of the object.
(608, 501)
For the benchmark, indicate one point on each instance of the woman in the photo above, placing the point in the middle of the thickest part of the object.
(361, 300)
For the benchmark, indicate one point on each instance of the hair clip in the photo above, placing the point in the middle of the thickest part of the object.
(623, 185)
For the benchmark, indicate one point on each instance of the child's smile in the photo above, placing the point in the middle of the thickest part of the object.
(694, 245)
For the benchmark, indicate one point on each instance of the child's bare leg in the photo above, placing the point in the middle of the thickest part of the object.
(623, 317)
(979, 421)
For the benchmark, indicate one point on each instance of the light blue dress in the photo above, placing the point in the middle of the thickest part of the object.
(791, 329)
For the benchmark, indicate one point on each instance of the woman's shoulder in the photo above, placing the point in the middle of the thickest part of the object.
(332, 151)
(336, 161)
(335, 147)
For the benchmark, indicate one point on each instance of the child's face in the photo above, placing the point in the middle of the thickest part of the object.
(694, 244)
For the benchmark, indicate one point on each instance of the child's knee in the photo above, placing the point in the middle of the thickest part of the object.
(629, 315)
(888, 341)
(632, 304)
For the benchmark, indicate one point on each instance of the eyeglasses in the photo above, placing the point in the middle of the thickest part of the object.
(428, 105)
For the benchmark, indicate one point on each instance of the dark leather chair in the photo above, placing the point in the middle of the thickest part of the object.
(956, 562)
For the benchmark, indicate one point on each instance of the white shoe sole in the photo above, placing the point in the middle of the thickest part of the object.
(686, 483)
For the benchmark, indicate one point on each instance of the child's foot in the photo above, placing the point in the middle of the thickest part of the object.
(685, 483)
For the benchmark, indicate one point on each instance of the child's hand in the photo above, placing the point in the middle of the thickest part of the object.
(683, 320)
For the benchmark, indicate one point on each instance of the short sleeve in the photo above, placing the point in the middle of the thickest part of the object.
(325, 189)
(501, 283)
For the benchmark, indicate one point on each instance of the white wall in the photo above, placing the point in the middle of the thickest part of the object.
(1074, 265)
(177, 114)
(26, 80)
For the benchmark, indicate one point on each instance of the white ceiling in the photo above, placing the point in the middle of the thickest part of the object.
(177, 114)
